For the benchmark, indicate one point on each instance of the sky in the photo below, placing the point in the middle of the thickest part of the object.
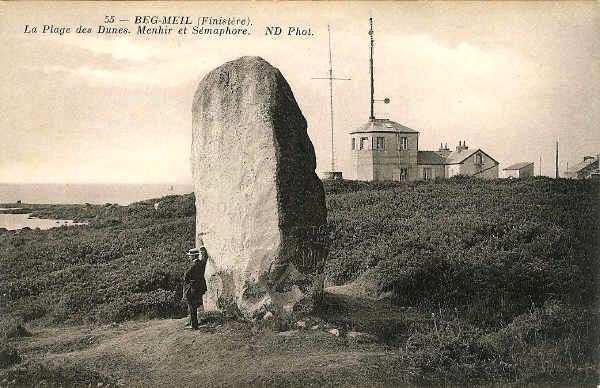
(510, 78)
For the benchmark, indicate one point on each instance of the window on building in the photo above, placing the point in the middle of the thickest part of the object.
(404, 143)
(403, 173)
(427, 173)
(363, 143)
(479, 159)
(380, 143)
(353, 143)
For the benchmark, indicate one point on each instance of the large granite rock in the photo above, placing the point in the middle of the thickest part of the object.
(260, 208)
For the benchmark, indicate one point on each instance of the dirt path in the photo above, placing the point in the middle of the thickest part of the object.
(163, 353)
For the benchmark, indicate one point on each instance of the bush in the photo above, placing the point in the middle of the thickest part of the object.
(548, 344)
(155, 304)
(8, 355)
(28, 309)
(12, 328)
(43, 374)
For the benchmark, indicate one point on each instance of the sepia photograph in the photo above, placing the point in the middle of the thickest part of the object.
(293, 194)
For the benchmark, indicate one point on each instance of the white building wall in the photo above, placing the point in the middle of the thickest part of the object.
(511, 173)
(452, 170)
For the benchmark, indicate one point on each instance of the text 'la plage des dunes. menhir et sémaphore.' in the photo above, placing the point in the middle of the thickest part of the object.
(172, 25)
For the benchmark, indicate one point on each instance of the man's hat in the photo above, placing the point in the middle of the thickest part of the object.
(194, 252)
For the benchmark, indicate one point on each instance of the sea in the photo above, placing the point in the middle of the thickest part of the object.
(20, 221)
(51, 193)
(97, 193)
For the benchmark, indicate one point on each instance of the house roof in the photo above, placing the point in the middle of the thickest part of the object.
(581, 165)
(383, 125)
(457, 157)
(429, 157)
(518, 166)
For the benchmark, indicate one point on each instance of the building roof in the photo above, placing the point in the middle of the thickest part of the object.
(581, 165)
(518, 166)
(429, 157)
(457, 157)
(383, 125)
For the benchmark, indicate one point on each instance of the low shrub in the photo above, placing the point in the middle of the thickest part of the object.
(29, 309)
(11, 327)
(9, 356)
(155, 304)
(35, 373)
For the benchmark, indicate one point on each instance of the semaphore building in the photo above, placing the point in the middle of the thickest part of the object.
(386, 150)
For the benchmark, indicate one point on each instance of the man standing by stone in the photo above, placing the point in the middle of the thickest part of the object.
(194, 285)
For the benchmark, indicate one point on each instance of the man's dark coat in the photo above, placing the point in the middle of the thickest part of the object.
(194, 285)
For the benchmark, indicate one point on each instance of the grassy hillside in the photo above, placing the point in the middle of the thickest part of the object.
(510, 244)
(507, 271)
(127, 262)
(486, 280)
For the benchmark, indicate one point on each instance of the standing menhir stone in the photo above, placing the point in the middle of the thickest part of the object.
(259, 203)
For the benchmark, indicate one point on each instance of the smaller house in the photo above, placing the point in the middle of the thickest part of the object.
(445, 163)
(469, 162)
(584, 169)
(519, 170)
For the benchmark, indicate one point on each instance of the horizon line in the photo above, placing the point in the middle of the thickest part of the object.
(98, 183)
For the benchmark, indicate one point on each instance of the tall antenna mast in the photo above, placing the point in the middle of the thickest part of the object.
(331, 99)
(373, 100)
(556, 173)
(372, 117)
(331, 78)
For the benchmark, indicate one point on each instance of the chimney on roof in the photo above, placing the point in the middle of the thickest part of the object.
(462, 145)
(443, 151)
